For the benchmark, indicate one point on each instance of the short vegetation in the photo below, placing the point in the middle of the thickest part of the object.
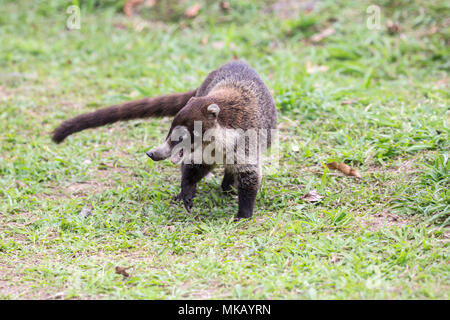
(374, 96)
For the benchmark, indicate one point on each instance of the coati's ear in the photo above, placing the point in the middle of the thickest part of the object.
(213, 111)
(192, 98)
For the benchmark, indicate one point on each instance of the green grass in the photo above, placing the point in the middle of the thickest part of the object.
(381, 106)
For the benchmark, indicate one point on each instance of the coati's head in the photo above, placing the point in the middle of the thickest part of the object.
(199, 115)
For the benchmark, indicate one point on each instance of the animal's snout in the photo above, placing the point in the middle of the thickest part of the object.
(159, 153)
(150, 154)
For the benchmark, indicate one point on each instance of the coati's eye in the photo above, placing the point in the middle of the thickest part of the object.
(176, 139)
(179, 134)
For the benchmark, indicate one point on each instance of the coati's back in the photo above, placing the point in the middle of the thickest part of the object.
(247, 103)
(247, 86)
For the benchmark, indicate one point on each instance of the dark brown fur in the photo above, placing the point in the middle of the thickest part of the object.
(162, 106)
(244, 102)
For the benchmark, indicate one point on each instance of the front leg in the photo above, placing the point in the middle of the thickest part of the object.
(248, 185)
(190, 175)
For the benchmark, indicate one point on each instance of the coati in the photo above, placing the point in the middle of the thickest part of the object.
(232, 97)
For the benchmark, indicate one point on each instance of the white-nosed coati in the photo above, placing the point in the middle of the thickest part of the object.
(231, 97)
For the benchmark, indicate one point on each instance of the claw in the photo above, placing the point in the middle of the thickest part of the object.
(188, 204)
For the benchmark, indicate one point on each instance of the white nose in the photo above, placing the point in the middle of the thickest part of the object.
(160, 153)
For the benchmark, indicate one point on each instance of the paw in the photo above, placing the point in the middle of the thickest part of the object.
(188, 203)
(243, 215)
(238, 218)
(187, 200)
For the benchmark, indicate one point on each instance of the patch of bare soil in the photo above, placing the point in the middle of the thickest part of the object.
(13, 222)
(103, 177)
(8, 287)
(405, 165)
(383, 220)
(13, 286)
(84, 188)
(204, 293)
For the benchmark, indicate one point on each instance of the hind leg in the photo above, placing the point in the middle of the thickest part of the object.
(190, 175)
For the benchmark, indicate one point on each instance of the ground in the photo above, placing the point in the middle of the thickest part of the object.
(374, 96)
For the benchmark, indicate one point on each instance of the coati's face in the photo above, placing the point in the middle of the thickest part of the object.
(185, 128)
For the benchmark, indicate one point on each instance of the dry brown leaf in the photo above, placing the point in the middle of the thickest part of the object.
(345, 169)
(205, 40)
(312, 196)
(393, 27)
(323, 34)
(310, 68)
(225, 5)
(129, 7)
(122, 271)
(192, 12)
